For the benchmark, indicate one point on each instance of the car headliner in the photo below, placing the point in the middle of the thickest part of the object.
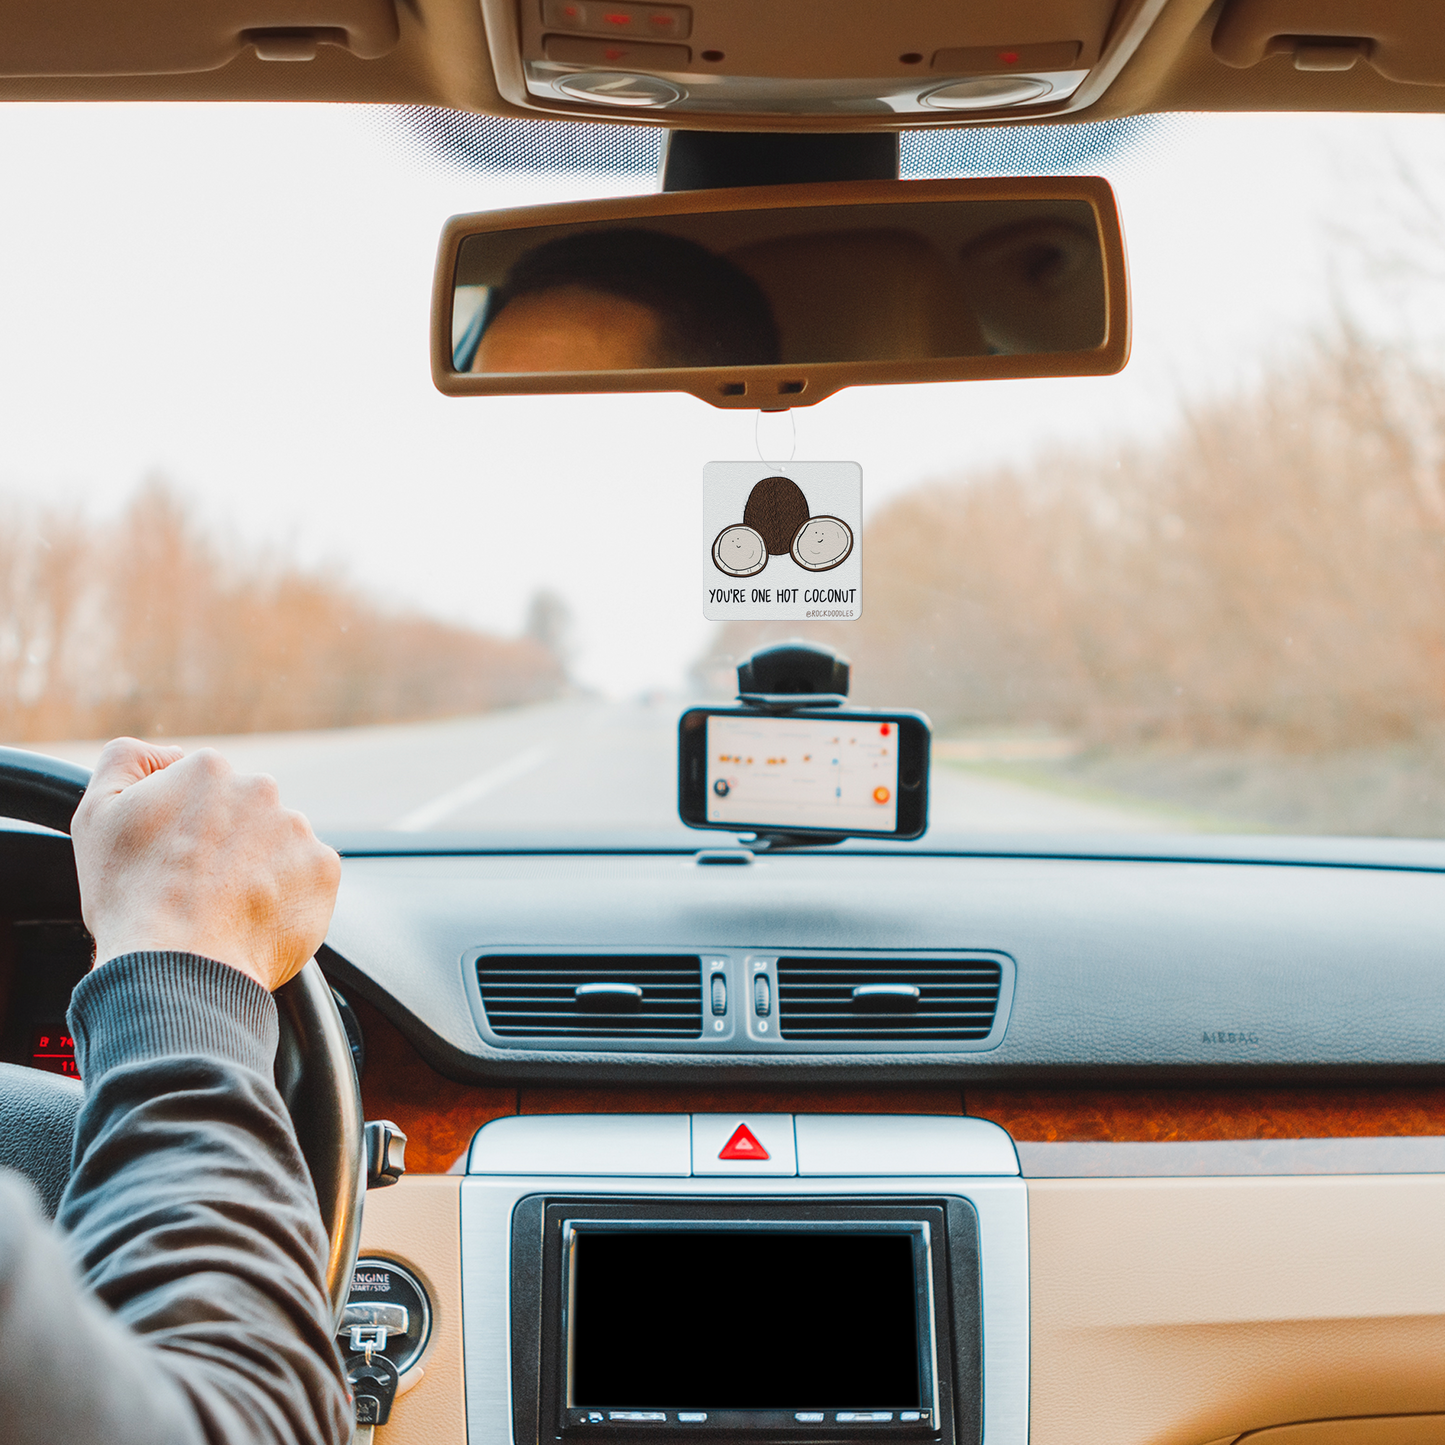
(442, 59)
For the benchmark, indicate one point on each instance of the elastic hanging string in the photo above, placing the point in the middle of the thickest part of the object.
(792, 435)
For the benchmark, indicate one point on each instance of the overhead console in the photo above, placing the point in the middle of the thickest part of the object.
(916, 59)
(771, 1278)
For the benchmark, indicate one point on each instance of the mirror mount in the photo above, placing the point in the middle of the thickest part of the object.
(709, 160)
(793, 674)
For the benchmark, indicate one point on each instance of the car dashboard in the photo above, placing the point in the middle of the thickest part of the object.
(1192, 1096)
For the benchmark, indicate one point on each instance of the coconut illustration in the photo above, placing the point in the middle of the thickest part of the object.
(775, 509)
(822, 543)
(739, 551)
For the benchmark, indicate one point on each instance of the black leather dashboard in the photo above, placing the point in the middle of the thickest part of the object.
(1126, 965)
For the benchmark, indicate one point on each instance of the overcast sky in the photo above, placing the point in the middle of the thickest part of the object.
(237, 297)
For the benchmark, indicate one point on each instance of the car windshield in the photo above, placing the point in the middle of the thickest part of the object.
(1207, 594)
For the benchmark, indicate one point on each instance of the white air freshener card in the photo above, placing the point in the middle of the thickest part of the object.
(784, 541)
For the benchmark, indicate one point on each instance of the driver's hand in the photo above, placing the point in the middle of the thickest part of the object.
(180, 853)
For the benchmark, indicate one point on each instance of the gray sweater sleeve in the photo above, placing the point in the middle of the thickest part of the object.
(191, 1219)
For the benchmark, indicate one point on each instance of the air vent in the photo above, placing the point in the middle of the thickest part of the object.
(586, 996)
(868, 999)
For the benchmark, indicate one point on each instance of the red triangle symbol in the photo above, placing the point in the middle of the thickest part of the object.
(743, 1145)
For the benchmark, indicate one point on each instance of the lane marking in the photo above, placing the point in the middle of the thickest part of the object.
(432, 813)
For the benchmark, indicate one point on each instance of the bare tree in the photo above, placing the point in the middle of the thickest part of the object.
(1271, 574)
(150, 626)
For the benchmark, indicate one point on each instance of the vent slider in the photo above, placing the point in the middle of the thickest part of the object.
(887, 995)
(611, 997)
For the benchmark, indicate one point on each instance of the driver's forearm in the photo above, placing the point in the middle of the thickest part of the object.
(192, 1217)
(72, 1373)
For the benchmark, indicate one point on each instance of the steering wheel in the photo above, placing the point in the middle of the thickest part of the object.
(314, 1069)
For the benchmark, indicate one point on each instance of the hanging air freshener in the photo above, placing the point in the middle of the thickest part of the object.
(784, 541)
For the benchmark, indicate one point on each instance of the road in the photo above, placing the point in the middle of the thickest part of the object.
(580, 764)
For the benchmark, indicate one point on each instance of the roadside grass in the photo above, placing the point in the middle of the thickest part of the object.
(1061, 779)
(1394, 791)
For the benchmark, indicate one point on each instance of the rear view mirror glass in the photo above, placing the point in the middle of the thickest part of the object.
(782, 295)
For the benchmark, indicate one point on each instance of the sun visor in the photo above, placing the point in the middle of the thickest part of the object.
(1400, 38)
(176, 37)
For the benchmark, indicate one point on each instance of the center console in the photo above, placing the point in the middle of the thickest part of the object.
(770, 1278)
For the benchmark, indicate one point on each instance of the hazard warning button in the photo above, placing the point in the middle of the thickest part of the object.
(750, 1144)
(743, 1145)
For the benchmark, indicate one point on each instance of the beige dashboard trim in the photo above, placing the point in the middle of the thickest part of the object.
(1164, 1311)
(1392, 1154)
(1183, 1311)
(417, 1223)
(1385, 1430)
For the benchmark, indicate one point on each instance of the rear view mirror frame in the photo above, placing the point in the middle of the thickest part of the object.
(776, 387)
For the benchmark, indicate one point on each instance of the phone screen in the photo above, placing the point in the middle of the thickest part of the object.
(837, 774)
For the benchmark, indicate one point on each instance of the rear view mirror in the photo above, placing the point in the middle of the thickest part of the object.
(781, 295)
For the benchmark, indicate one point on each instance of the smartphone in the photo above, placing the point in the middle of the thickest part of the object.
(818, 770)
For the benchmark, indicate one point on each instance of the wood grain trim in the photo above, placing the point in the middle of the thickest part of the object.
(1151, 1115)
(440, 1115)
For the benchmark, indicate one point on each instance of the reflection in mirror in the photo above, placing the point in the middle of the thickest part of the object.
(1037, 286)
(619, 299)
(903, 282)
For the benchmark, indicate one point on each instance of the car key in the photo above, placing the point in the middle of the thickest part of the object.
(372, 1381)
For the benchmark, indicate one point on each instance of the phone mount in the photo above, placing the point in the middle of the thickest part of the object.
(786, 676)
(789, 677)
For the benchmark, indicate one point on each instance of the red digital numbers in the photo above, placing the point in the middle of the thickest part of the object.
(54, 1051)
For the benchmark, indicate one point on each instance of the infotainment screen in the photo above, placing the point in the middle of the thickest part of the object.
(748, 1321)
(748, 1326)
